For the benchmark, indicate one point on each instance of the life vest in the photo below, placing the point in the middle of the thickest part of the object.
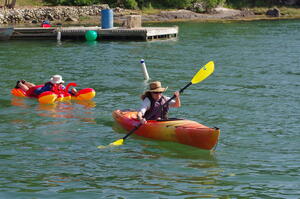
(30, 92)
(158, 109)
(57, 88)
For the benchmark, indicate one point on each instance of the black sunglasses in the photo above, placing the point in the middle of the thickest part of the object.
(156, 92)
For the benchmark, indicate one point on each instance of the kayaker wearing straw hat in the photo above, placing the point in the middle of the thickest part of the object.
(153, 107)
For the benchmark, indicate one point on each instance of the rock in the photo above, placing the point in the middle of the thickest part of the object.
(246, 13)
(118, 9)
(50, 17)
(273, 12)
(198, 7)
(1, 18)
(71, 18)
(221, 10)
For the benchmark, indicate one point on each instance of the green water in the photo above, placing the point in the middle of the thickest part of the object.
(253, 97)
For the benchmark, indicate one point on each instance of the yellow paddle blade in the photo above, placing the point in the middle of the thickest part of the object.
(115, 143)
(204, 72)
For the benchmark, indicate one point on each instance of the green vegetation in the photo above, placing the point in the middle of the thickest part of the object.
(130, 4)
(256, 3)
(148, 5)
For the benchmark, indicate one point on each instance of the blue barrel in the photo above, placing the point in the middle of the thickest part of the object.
(107, 19)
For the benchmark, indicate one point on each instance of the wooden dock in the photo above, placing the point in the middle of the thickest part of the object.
(117, 33)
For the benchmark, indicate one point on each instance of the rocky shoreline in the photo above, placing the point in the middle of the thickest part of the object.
(216, 14)
(52, 14)
(91, 14)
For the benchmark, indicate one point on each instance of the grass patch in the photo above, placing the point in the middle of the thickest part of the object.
(152, 11)
(82, 18)
(30, 3)
(290, 11)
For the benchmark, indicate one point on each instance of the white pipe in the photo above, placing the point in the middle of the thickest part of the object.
(146, 76)
(58, 36)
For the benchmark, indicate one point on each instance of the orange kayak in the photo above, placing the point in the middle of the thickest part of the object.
(176, 130)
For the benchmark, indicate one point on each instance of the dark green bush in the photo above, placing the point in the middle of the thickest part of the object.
(130, 4)
(71, 2)
(177, 4)
(254, 3)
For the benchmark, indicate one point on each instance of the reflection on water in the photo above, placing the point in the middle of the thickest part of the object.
(18, 101)
(68, 109)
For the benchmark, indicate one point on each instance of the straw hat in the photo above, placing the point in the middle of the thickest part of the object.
(156, 87)
(56, 79)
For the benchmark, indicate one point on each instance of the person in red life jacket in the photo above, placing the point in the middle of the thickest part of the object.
(55, 85)
(153, 107)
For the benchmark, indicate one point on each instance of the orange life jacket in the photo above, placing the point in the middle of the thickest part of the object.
(58, 89)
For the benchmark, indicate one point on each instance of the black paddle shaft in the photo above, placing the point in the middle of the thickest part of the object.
(180, 91)
(167, 102)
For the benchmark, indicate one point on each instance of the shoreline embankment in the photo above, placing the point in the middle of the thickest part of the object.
(91, 14)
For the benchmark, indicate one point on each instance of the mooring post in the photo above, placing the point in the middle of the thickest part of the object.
(146, 76)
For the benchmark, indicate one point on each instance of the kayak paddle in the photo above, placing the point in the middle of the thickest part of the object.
(201, 75)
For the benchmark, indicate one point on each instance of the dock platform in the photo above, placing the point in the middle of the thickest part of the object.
(117, 33)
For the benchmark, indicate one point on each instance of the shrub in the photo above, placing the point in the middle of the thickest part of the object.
(130, 4)
(214, 3)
